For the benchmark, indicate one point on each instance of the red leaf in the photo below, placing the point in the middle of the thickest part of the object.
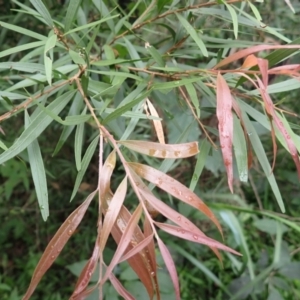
(125, 240)
(57, 243)
(224, 115)
(174, 188)
(170, 266)
(245, 52)
(191, 236)
(87, 271)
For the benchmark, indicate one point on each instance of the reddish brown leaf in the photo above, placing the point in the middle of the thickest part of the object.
(124, 242)
(224, 115)
(137, 249)
(245, 52)
(112, 211)
(170, 266)
(57, 243)
(87, 271)
(162, 150)
(120, 288)
(191, 236)
(175, 188)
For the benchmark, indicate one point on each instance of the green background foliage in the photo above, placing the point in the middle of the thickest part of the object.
(39, 176)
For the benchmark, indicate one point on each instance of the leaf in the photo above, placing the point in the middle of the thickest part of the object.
(157, 123)
(170, 266)
(41, 8)
(234, 19)
(85, 26)
(48, 60)
(71, 13)
(224, 115)
(84, 164)
(192, 32)
(263, 160)
(240, 150)
(245, 52)
(155, 54)
(125, 240)
(38, 173)
(36, 127)
(20, 48)
(78, 142)
(23, 31)
(124, 108)
(194, 98)
(57, 243)
(190, 236)
(162, 150)
(112, 212)
(174, 188)
(88, 270)
(201, 160)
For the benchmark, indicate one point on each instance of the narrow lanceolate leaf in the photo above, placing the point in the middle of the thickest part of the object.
(263, 160)
(120, 288)
(36, 127)
(112, 212)
(71, 12)
(245, 52)
(88, 270)
(157, 123)
(240, 150)
(48, 56)
(190, 236)
(224, 115)
(174, 188)
(41, 8)
(57, 244)
(193, 33)
(169, 262)
(271, 111)
(38, 173)
(234, 19)
(143, 263)
(124, 242)
(84, 164)
(162, 150)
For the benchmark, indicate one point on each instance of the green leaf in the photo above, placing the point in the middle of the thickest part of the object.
(79, 142)
(155, 54)
(74, 110)
(234, 19)
(23, 31)
(71, 12)
(263, 160)
(20, 48)
(192, 32)
(84, 164)
(121, 110)
(48, 60)
(22, 66)
(80, 28)
(201, 159)
(174, 84)
(194, 98)
(38, 173)
(36, 127)
(240, 149)
(43, 11)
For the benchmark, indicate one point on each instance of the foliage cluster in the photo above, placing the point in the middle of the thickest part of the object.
(131, 90)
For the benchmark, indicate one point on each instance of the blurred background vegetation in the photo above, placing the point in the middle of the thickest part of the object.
(261, 236)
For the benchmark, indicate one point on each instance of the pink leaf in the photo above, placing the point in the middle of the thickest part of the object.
(224, 115)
